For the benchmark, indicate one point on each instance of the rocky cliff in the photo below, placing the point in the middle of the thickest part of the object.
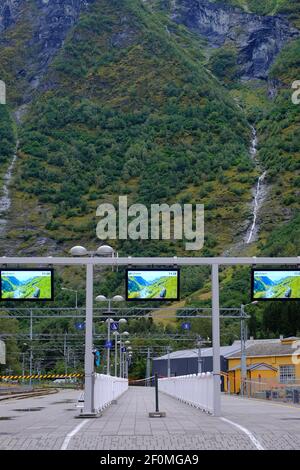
(49, 22)
(257, 38)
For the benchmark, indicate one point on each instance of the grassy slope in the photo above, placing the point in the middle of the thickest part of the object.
(131, 103)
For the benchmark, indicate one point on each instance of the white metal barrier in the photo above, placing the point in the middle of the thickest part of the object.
(195, 390)
(106, 389)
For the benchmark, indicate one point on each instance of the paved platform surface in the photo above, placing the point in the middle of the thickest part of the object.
(126, 425)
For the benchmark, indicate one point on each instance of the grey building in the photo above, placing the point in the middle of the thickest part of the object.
(185, 361)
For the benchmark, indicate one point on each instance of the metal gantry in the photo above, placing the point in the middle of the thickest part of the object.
(91, 261)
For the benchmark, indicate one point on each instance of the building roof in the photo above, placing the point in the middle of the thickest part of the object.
(254, 347)
(264, 348)
(205, 352)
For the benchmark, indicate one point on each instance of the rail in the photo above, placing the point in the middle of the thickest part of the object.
(107, 388)
(195, 390)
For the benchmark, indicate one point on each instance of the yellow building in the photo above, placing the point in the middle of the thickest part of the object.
(269, 362)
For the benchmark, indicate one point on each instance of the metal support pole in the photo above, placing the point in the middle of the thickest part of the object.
(120, 356)
(148, 369)
(116, 354)
(123, 365)
(108, 349)
(169, 363)
(243, 351)
(216, 340)
(30, 354)
(88, 358)
(65, 353)
(199, 357)
(126, 364)
(156, 394)
(23, 366)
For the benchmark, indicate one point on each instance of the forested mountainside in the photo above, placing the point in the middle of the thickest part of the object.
(171, 101)
(116, 93)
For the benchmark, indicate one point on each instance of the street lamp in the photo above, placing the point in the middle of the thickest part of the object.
(243, 345)
(116, 334)
(81, 251)
(102, 298)
(103, 250)
(76, 294)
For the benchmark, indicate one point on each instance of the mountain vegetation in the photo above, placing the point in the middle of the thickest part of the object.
(120, 98)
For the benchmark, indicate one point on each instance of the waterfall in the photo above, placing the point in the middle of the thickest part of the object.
(5, 200)
(259, 192)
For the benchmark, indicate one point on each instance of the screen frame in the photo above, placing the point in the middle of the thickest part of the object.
(287, 299)
(51, 270)
(138, 268)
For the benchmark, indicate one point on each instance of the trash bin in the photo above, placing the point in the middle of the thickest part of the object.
(268, 394)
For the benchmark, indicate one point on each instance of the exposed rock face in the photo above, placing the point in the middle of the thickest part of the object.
(51, 21)
(258, 38)
(55, 19)
(9, 10)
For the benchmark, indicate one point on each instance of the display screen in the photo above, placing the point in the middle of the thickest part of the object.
(276, 284)
(26, 284)
(152, 284)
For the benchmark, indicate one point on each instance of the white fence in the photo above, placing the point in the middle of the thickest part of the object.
(106, 389)
(195, 390)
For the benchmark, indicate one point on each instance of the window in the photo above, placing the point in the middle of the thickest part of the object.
(287, 374)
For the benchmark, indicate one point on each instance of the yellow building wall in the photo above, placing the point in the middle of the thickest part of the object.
(274, 361)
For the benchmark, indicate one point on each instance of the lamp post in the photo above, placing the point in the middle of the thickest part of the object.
(126, 334)
(102, 298)
(243, 346)
(129, 350)
(200, 342)
(76, 294)
(104, 250)
(169, 362)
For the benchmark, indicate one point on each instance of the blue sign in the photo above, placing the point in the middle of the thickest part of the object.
(79, 325)
(123, 349)
(114, 326)
(108, 344)
(186, 326)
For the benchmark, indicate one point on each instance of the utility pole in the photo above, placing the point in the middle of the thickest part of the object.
(169, 362)
(108, 348)
(243, 350)
(148, 368)
(121, 356)
(65, 354)
(199, 355)
(23, 366)
(30, 354)
(216, 340)
(116, 334)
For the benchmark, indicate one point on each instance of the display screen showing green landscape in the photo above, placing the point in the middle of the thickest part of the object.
(276, 284)
(152, 285)
(26, 285)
